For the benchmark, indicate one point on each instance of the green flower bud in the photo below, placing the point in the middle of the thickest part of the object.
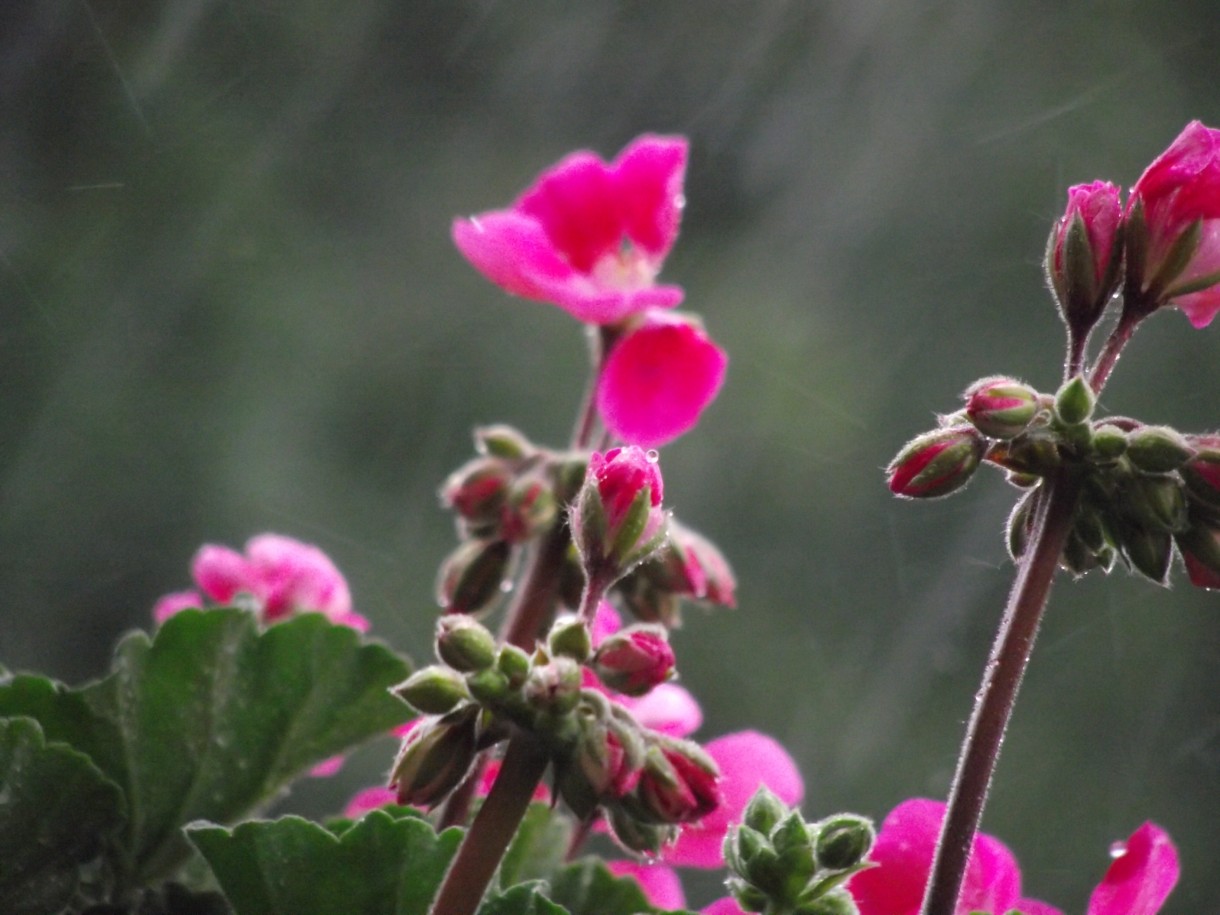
(502, 441)
(1021, 523)
(1001, 407)
(553, 688)
(1147, 551)
(569, 636)
(471, 577)
(434, 758)
(1109, 443)
(433, 690)
(1074, 402)
(797, 864)
(1155, 502)
(529, 509)
(764, 811)
(489, 687)
(514, 663)
(1157, 449)
(750, 898)
(1034, 452)
(463, 643)
(636, 835)
(844, 841)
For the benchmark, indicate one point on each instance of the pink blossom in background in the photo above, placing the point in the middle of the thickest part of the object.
(661, 885)
(175, 602)
(658, 379)
(1137, 883)
(282, 576)
(1180, 187)
(588, 236)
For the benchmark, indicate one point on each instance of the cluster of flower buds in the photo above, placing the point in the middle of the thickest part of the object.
(482, 692)
(782, 865)
(1148, 491)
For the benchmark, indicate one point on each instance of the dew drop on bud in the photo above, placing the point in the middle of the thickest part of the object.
(1118, 849)
(506, 585)
(652, 455)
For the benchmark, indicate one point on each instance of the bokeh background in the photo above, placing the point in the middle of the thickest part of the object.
(229, 304)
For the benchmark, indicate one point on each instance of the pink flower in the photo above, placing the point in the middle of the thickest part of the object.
(658, 379)
(588, 236)
(1137, 883)
(1099, 209)
(1181, 188)
(661, 885)
(175, 602)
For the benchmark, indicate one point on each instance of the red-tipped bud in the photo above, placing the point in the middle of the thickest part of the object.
(936, 463)
(1202, 474)
(501, 441)
(1200, 548)
(1001, 407)
(679, 783)
(477, 491)
(618, 520)
(471, 577)
(529, 509)
(435, 756)
(635, 659)
(1084, 252)
(1157, 449)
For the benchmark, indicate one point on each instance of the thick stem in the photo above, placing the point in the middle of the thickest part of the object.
(493, 828)
(997, 695)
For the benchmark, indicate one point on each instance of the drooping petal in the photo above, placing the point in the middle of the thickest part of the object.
(658, 380)
(747, 759)
(660, 883)
(1140, 878)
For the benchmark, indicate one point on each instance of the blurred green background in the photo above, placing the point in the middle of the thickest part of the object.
(229, 304)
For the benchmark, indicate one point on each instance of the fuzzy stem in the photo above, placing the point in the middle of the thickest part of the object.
(493, 828)
(997, 695)
(1108, 357)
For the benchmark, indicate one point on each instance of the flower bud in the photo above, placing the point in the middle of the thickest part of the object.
(1157, 449)
(836, 902)
(490, 687)
(514, 663)
(464, 643)
(1083, 254)
(679, 782)
(476, 491)
(1074, 401)
(637, 835)
(1109, 443)
(501, 441)
(569, 636)
(553, 688)
(1201, 474)
(797, 862)
(1147, 551)
(844, 841)
(567, 472)
(433, 690)
(617, 520)
(1021, 523)
(1155, 502)
(764, 811)
(471, 577)
(634, 660)
(529, 509)
(1200, 547)
(936, 463)
(607, 761)
(435, 756)
(688, 565)
(1001, 407)
(749, 898)
(1034, 452)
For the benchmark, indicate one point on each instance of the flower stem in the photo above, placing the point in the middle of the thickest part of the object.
(997, 695)
(493, 828)
(1118, 339)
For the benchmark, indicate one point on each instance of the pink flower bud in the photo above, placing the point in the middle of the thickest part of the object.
(618, 520)
(1199, 545)
(635, 659)
(1174, 254)
(588, 236)
(1001, 407)
(679, 782)
(936, 463)
(477, 492)
(1084, 253)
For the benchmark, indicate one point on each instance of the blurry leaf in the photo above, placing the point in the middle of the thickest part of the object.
(291, 866)
(587, 887)
(539, 847)
(56, 809)
(526, 899)
(175, 899)
(213, 717)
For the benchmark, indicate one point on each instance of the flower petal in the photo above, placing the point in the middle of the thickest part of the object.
(649, 175)
(660, 883)
(658, 380)
(1141, 878)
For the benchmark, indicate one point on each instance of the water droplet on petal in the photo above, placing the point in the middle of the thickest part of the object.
(506, 585)
(679, 200)
(1118, 849)
(652, 455)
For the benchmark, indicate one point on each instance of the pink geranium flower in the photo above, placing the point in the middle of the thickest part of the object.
(658, 379)
(1179, 189)
(588, 236)
(1137, 883)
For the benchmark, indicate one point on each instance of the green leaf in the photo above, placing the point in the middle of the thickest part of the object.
(539, 847)
(56, 810)
(526, 899)
(587, 887)
(378, 866)
(213, 717)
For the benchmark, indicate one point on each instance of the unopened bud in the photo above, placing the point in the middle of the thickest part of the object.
(1084, 252)
(1202, 477)
(764, 810)
(635, 659)
(1148, 551)
(471, 577)
(936, 463)
(502, 441)
(529, 509)
(1001, 407)
(1021, 523)
(844, 841)
(1074, 401)
(679, 783)
(434, 758)
(797, 861)
(514, 663)
(490, 687)
(1156, 502)
(433, 690)
(1109, 443)
(1035, 452)
(554, 687)
(569, 636)
(476, 491)
(637, 835)
(749, 898)
(1157, 449)
(1200, 547)
(617, 521)
(463, 643)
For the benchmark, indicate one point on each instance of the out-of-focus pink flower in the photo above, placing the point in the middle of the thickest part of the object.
(588, 236)
(175, 602)
(658, 379)
(1137, 883)
(747, 759)
(280, 575)
(369, 799)
(1182, 187)
(661, 885)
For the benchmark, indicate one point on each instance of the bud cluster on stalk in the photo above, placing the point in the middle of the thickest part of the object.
(482, 692)
(1149, 493)
(783, 865)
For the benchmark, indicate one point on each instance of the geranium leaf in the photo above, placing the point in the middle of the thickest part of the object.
(525, 899)
(57, 810)
(539, 847)
(380, 865)
(212, 717)
(586, 887)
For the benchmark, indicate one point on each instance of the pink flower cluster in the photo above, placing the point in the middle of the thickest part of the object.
(1144, 871)
(590, 237)
(277, 575)
(1177, 253)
